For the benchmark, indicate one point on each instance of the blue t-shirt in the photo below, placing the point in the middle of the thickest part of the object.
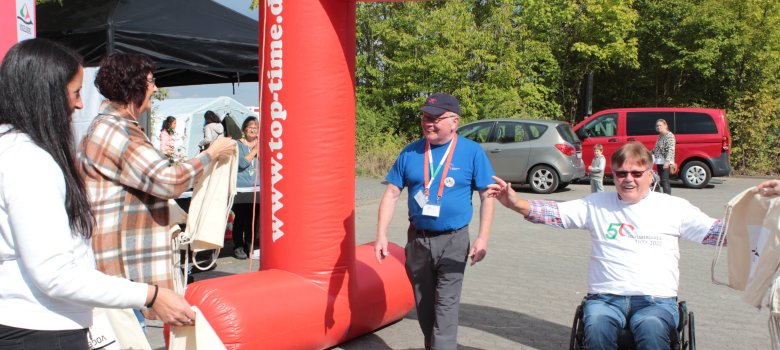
(246, 169)
(470, 170)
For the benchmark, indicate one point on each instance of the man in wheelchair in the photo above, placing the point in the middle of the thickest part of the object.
(633, 273)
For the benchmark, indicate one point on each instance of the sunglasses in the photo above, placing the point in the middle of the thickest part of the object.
(621, 174)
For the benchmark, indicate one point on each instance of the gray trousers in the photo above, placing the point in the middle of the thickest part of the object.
(435, 266)
(596, 185)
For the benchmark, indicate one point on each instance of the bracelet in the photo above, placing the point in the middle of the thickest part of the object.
(154, 297)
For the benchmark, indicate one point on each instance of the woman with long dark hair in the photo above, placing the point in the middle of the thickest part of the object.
(49, 281)
(211, 130)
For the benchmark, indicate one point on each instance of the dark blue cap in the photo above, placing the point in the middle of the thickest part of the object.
(439, 103)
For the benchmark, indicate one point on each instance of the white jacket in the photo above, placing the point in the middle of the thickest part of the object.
(48, 279)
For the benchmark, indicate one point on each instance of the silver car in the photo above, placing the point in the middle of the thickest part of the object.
(546, 154)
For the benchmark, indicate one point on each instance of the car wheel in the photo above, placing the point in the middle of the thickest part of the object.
(695, 174)
(543, 179)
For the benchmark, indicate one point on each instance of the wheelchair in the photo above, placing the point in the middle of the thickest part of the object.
(685, 335)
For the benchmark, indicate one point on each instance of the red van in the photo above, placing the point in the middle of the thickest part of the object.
(703, 140)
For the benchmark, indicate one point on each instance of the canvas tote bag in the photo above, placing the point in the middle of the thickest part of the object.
(116, 329)
(212, 198)
(198, 337)
(752, 225)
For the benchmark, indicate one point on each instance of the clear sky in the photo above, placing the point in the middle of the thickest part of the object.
(246, 93)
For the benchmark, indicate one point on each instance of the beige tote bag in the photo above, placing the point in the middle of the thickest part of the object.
(198, 337)
(116, 329)
(752, 225)
(212, 198)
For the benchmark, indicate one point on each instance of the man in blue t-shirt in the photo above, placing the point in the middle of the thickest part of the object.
(441, 170)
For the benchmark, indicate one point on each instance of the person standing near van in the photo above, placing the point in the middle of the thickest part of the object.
(664, 153)
(596, 169)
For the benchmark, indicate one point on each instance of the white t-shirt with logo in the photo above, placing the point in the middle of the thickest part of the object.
(634, 247)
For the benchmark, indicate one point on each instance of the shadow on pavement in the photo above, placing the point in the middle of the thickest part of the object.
(514, 326)
(374, 342)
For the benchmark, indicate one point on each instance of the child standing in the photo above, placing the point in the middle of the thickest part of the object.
(596, 169)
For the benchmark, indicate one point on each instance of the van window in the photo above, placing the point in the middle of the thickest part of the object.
(477, 132)
(695, 123)
(643, 123)
(603, 126)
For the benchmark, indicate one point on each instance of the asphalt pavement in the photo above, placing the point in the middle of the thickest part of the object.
(523, 295)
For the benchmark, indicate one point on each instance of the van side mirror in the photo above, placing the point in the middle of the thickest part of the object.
(582, 134)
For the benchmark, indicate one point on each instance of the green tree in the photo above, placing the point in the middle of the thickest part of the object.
(719, 54)
(585, 37)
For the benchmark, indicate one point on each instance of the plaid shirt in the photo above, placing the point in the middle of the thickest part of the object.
(129, 184)
(546, 212)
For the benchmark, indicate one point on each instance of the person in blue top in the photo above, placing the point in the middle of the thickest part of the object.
(247, 173)
(441, 171)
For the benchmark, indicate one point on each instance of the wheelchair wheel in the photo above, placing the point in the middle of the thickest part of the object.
(577, 331)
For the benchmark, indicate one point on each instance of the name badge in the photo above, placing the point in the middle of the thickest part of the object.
(419, 197)
(431, 209)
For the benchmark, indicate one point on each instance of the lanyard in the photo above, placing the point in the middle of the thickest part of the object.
(428, 166)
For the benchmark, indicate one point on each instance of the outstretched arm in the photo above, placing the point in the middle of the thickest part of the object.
(503, 192)
(536, 211)
(712, 235)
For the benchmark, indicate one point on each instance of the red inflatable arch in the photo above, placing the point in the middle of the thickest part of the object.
(315, 289)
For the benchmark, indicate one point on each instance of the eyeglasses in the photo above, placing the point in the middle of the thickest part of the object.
(433, 119)
(152, 80)
(621, 174)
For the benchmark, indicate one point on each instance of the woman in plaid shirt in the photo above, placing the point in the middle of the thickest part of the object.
(129, 181)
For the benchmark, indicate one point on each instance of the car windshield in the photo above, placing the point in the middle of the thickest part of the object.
(568, 134)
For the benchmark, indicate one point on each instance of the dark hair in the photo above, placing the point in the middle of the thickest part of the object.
(211, 117)
(231, 128)
(634, 152)
(246, 122)
(34, 77)
(122, 77)
(168, 125)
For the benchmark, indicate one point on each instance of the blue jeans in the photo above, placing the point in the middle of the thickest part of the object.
(652, 321)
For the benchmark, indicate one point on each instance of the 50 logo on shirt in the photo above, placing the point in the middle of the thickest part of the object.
(615, 229)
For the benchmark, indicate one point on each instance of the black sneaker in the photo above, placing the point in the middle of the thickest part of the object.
(239, 253)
